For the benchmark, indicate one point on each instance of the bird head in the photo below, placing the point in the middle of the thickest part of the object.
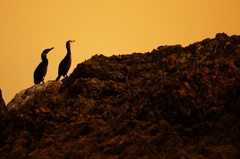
(69, 42)
(45, 52)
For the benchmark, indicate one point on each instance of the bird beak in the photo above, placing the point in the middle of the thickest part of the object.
(50, 49)
(73, 41)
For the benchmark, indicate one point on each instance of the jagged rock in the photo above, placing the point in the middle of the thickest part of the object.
(173, 102)
(47, 89)
(3, 110)
(2, 103)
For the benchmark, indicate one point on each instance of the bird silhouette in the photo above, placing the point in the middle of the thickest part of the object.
(66, 62)
(41, 70)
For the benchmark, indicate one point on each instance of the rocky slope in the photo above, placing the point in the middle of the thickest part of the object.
(173, 102)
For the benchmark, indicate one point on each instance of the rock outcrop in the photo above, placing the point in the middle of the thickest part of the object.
(3, 110)
(173, 102)
(47, 89)
(2, 103)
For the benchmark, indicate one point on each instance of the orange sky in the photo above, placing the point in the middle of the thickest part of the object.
(100, 27)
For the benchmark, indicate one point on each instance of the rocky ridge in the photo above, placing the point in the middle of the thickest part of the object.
(173, 102)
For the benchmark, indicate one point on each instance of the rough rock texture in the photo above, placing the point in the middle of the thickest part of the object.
(173, 102)
(2, 103)
(3, 110)
(49, 88)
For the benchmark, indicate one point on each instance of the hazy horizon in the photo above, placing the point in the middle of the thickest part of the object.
(100, 27)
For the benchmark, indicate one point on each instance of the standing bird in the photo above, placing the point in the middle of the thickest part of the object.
(66, 62)
(41, 69)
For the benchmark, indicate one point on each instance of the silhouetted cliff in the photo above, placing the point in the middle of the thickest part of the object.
(2, 103)
(173, 102)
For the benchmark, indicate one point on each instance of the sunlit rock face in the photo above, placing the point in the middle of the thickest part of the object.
(172, 102)
(48, 89)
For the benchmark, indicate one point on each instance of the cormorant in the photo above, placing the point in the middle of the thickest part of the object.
(41, 69)
(66, 62)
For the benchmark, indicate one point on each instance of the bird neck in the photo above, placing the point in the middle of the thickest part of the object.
(44, 58)
(68, 49)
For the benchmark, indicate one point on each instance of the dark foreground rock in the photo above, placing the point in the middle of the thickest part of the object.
(3, 110)
(174, 102)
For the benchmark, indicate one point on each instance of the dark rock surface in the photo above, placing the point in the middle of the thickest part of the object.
(3, 110)
(2, 103)
(174, 102)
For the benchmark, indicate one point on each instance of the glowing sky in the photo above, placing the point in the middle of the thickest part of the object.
(100, 27)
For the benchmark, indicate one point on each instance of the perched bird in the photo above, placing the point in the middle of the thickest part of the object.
(41, 69)
(66, 62)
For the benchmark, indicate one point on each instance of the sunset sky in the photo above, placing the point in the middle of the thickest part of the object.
(100, 27)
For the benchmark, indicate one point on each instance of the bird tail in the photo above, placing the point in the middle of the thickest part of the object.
(59, 76)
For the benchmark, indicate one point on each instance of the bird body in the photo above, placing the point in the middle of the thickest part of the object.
(41, 70)
(65, 64)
